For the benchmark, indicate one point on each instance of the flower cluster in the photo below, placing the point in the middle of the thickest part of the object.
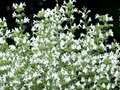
(52, 59)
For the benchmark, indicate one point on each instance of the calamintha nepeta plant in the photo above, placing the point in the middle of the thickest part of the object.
(52, 59)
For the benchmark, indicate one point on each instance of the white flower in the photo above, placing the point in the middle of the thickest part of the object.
(12, 47)
(48, 83)
(111, 18)
(78, 83)
(14, 14)
(61, 10)
(94, 61)
(15, 5)
(89, 79)
(62, 44)
(78, 47)
(72, 87)
(4, 67)
(85, 70)
(84, 27)
(67, 79)
(21, 5)
(83, 79)
(75, 10)
(73, 46)
(97, 77)
(66, 89)
(96, 16)
(65, 58)
(64, 72)
(16, 39)
(103, 85)
(84, 52)
(39, 81)
(102, 45)
(108, 86)
(5, 24)
(8, 33)
(94, 86)
(55, 75)
(117, 74)
(111, 32)
(2, 41)
(92, 27)
(89, 19)
(83, 15)
(108, 18)
(1, 20)
(81, 21)
(113, 85)
(26, 19)
(15, 81)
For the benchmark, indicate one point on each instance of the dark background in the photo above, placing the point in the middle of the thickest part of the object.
(110, 7)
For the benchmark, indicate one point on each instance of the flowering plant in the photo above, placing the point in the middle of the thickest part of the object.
(52, 59)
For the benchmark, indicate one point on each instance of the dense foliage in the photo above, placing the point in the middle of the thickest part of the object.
(52, 59)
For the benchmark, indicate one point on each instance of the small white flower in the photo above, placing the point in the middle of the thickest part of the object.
(92, 27)
(108, 18)
(39, 81)
(21, 5)
(4, 67)
(48, 83)
(84, 27)
(111, 18)
(2, 41)
(66, 89)
(83, 79)
(72, 87)
(102, 45)
(15, 5)
(111, 32)
(85, 70)
(81, 21)
(103, 85)
(108, 86)
(73, 46)
(14, 14)
(117, 74)
(1, 20)
(94, 86)
(83, 15)
(62, 43)
(78, 83)
(96, 16)
(12, 47)
(78, 47)
(89, 19)
(75, 10)
(94, 61)
(16, 39)
(5, 24)
(84, 52)
(67, 79)
(73, 0)
(26, 19)
(113, 86)
(55, 75)
(97, 77)
(89, 79)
